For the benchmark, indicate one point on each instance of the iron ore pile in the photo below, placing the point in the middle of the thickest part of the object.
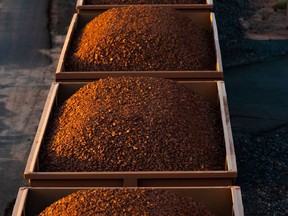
(95, 2)
(140, 140)
(134, 124)
(126, 202)
(137, 38)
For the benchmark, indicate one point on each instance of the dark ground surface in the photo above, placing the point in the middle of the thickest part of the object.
(235, 49)
(257, 96)
(258, 104)
(23, 33)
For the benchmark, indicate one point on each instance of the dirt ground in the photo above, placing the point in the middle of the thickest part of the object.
(266, 23)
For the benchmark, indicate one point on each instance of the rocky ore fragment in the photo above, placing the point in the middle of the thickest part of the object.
(144, 2)
(134, 124)
(126, 202)
(141, 38)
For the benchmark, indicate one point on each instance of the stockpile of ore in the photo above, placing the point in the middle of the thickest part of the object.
(134, 124)
(145, 2)
(126, 202)
(126, 124)
(138, 38)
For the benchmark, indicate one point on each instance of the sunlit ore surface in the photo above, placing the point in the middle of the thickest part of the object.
(139, 38)
(134, 124)
(126, 202)
(98, 2)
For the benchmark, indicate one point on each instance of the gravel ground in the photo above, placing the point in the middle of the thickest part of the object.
(262, 166)
(235, 49)
(261, 158)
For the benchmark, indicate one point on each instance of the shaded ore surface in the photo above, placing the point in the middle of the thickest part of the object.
(126, 202)
(134, 124)
(98, 2)
(141, 38)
